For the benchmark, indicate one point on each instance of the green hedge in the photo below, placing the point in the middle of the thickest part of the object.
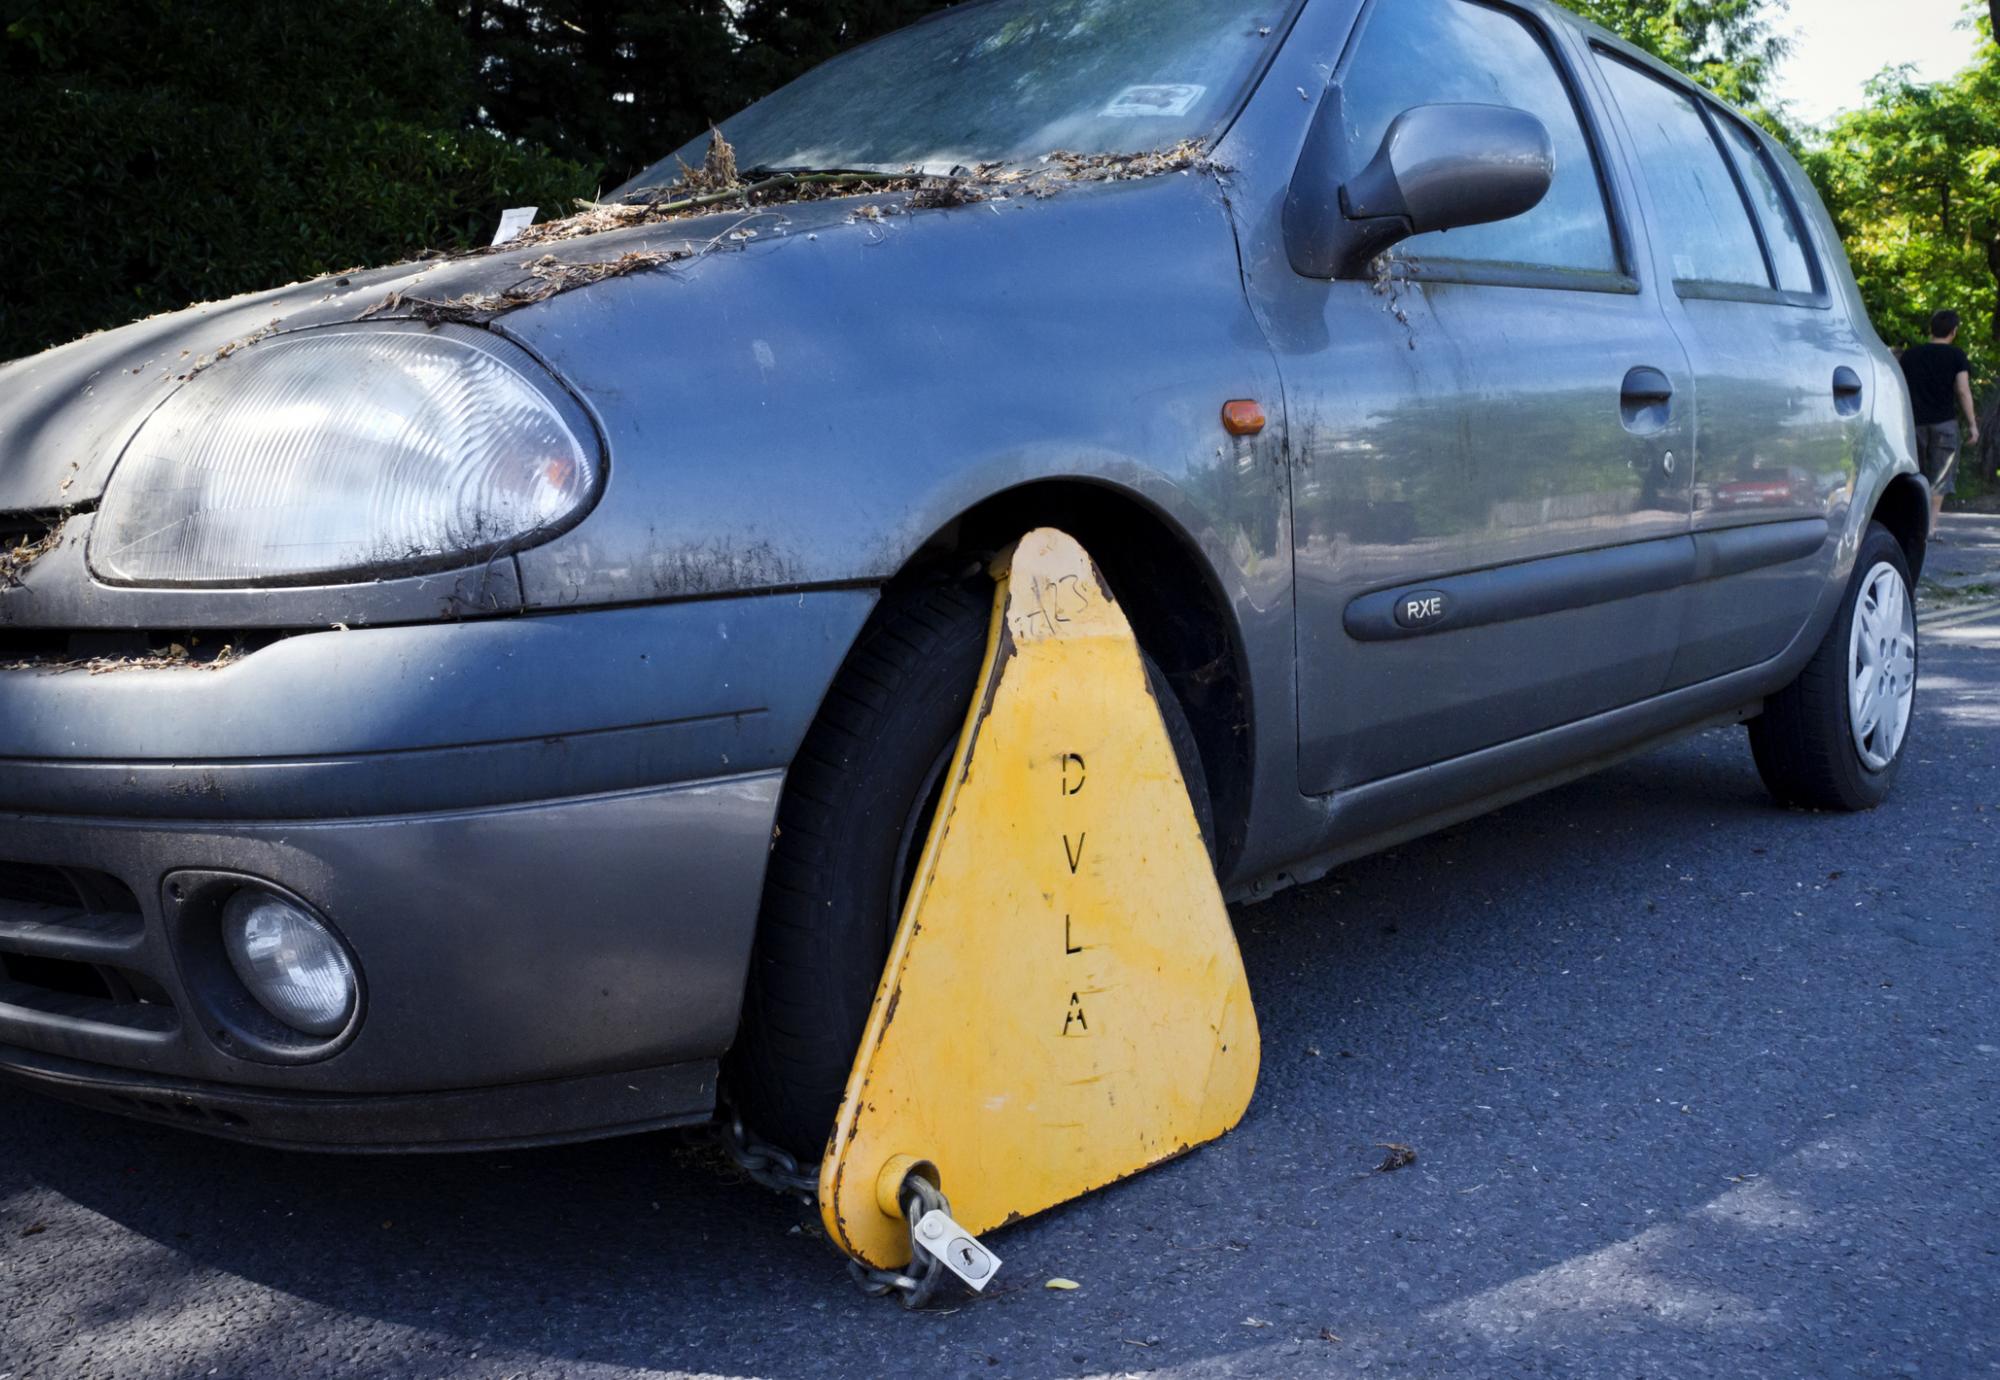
(158, 152)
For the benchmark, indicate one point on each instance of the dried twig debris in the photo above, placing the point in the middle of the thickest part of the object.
(20, 550)
(1124, 167)
(717, 183)
(941, 195)
(717, 172)
(1388, 276)
(546, 277)
(222, 352)
(782, 189)
(176, 657)
(1398, 1157)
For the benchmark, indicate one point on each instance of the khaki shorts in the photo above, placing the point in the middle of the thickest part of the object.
(1937, 453)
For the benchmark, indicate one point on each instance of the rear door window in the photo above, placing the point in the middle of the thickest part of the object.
(1432, 52)
(1782, 233)
(1699, 215)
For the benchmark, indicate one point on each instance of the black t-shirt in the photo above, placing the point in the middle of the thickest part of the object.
(1932, 369)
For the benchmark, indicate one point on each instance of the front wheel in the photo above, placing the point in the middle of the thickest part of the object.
(857, 809)
(1834, 738)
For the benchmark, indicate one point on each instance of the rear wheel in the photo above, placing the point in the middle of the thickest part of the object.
(1834, 738)
(857, 808)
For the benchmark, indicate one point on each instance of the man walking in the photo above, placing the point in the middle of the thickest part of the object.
(1940, 379)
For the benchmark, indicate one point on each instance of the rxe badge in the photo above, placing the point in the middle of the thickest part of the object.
(1422, 609)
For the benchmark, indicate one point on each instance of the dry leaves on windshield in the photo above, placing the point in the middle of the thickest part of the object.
(718, 185)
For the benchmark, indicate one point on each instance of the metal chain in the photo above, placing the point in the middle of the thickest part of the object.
(766, 1164)
(915, 1290)
(777, 1169)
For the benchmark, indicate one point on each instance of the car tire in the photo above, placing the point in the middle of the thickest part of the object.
(855, 813)
(1807, 747)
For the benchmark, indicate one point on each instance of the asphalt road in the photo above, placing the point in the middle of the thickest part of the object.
(1697, 1086)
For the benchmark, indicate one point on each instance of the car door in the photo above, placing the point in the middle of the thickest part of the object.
(1490, 499)
(1779, 399)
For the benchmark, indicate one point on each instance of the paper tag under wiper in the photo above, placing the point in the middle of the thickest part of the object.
(513, 221)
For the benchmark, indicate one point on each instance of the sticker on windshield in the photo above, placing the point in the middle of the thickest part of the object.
(1174, 99)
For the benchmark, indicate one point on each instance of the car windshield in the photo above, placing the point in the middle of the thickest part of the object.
(1009, 81)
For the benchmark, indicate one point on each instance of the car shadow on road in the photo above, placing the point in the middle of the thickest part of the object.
(1569, 1009)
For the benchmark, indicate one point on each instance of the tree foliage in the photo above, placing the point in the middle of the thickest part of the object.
(1729, 46)
(1913, 181)
(163, 151)
(619, 84)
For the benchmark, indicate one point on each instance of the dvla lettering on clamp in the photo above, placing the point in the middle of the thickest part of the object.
(1064, 1004)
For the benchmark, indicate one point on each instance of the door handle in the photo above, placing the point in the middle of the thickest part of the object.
(1646, 401)
(1846, 391)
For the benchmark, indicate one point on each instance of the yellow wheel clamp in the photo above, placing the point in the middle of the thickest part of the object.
(1064, 1003)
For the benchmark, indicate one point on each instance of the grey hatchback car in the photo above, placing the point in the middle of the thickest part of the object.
(495, 698)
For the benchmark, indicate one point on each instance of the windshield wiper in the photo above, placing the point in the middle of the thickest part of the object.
(764, 171)
(753, 180)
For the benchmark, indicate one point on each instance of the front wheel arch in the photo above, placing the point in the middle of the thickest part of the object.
(1170, 593)
(858, 804)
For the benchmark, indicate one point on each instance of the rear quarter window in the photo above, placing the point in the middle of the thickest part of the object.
(1783, 234)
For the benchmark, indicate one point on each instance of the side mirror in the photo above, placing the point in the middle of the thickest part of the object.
(1439, 167)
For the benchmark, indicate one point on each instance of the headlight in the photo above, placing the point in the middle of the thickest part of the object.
(346, 451)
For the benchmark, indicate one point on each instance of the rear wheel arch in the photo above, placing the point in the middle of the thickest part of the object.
(1806, 743)
(1905, 510)
(1169, 591)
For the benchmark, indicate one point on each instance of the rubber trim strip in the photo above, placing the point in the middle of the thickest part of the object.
(1555, 584)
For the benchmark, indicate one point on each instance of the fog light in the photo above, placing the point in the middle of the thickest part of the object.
(292, 964)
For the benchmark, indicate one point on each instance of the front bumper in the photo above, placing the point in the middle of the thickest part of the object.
(565, 1109)
(542, 838)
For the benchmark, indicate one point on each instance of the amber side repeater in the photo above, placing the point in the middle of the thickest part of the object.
(1242, 417)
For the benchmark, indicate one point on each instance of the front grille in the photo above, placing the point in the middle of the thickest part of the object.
(37, 886)
(70, 888)
(72, 946)
(91, 992)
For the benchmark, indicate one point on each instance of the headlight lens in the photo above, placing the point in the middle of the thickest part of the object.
(345, 451)
(291, 963)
